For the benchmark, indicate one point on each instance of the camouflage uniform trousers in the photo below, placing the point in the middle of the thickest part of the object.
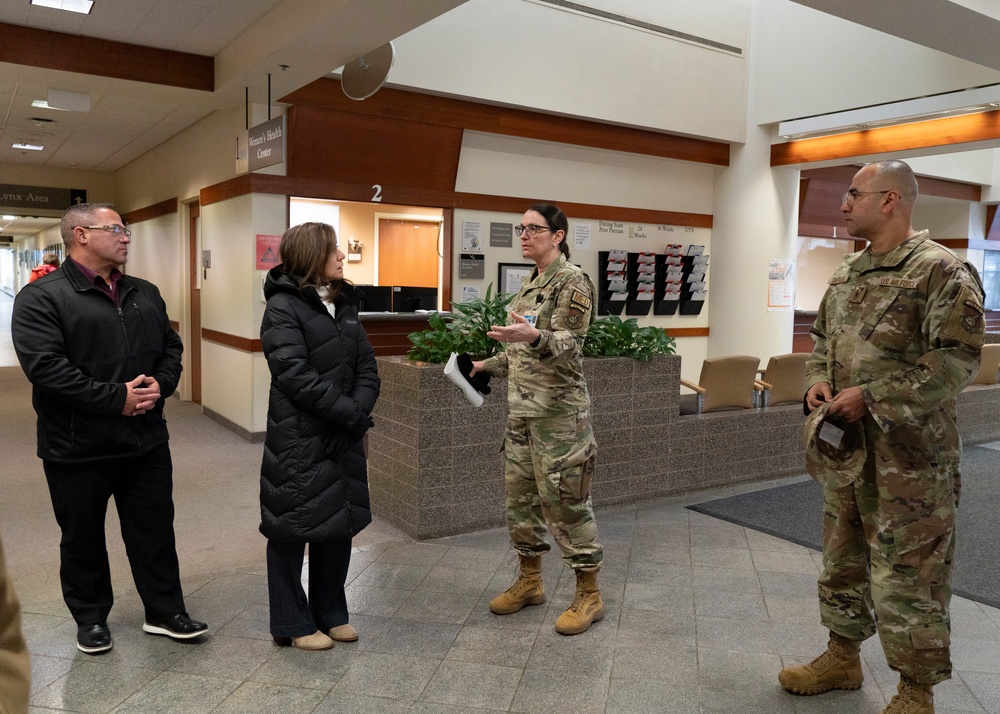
(896, 522)
(550, 464)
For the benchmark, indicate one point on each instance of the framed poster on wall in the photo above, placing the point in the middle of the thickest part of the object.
(511, 275)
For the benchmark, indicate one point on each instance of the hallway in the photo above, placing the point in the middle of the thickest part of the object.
(701, 613)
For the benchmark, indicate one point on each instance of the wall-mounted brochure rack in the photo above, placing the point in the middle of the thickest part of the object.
(613, 287)
(693, 288)
(669, 282)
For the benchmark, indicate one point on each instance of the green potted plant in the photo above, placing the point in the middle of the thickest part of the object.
(465, 331)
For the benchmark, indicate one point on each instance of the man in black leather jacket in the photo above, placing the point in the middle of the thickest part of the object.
(101, 355)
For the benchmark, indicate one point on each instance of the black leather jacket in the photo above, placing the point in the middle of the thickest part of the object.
(78, 349)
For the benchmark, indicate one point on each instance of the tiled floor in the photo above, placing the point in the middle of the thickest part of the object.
(701, 614)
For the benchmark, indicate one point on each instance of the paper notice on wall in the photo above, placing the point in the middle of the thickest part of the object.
(780, 285)
(472, 236)
(581, 236)
(470, 293)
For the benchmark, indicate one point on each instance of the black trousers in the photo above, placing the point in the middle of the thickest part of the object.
(142, 488)
(292, 613)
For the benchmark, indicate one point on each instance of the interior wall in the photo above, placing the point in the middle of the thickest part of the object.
(812, 63)
(577, 65)
(155, 255)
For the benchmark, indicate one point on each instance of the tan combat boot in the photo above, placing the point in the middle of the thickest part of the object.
(911, 698)
(526, 590)
(587, 606)
(837, 668)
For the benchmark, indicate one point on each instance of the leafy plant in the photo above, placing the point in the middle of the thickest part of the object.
(465, 331)
(610, 336)
(462, 331)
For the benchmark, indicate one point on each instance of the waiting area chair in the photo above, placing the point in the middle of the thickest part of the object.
(725, 383)
(782, 381)
(989, 366)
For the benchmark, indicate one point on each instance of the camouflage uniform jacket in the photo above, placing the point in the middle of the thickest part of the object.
(907, 329)
(547, 380)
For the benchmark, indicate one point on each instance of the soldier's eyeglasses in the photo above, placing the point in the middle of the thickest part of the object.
(532, 230)
(853, 195)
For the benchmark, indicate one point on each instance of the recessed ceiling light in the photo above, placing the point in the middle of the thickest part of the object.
(10, 218)
(81, 6)
(27, 147)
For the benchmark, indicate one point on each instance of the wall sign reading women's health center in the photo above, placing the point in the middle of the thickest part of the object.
(780, 285)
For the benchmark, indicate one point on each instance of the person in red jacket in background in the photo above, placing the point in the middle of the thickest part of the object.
(50, 262)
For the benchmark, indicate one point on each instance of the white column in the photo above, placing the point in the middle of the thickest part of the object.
(756, 220)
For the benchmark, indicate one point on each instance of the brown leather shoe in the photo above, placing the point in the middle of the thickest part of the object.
(839, 667)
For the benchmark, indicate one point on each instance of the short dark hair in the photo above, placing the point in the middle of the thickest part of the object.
(557, 221)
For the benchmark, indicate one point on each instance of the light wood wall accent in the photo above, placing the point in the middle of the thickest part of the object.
(244, 344)
(889, 140)
(343, 191)
(147, 213)
(428, 109)
(105, 58)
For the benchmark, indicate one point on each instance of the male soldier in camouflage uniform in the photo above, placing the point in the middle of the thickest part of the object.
(898, 335)
(549, 445)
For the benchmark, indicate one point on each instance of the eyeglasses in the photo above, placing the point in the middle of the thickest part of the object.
(531, 230)
(116, 229)
(853, 195)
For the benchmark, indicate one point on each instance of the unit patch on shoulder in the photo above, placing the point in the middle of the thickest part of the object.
(972, 317)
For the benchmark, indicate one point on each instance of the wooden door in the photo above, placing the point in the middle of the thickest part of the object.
(408, 252)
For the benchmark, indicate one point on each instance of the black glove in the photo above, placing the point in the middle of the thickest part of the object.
(360, 427)
(479, 381)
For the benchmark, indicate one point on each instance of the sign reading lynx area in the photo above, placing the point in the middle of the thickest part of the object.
(40, 197)
(266, 143)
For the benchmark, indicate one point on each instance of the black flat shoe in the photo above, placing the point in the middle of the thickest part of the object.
(93, 639)
(179, 627)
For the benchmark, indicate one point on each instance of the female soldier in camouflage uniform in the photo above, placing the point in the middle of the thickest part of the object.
(549, 444)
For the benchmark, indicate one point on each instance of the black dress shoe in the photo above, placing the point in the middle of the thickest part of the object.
(93, 639)
(180, 627)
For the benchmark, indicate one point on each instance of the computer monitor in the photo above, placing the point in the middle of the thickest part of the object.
(408, 298)
(377, 298)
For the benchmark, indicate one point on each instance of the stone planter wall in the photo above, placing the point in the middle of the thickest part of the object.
(435, 466)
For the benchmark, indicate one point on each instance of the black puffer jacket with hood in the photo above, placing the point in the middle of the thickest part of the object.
(324, 383)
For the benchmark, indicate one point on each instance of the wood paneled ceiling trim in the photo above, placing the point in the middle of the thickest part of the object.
(339, 190)
(147, 213)
(397, 104)
(889, 140)
(105, 58)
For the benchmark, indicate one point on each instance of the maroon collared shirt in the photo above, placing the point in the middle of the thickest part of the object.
(109, 289)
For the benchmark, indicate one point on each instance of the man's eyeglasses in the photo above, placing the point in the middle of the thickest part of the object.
(853, 195)
(116, 229)
(532, 230)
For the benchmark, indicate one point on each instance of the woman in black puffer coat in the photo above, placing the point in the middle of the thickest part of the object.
(314, 477)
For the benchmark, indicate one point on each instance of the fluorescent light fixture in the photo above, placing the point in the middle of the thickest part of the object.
(42, 104)
(27, 147)
(81, 6)
(10, 218)
(937, 106)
